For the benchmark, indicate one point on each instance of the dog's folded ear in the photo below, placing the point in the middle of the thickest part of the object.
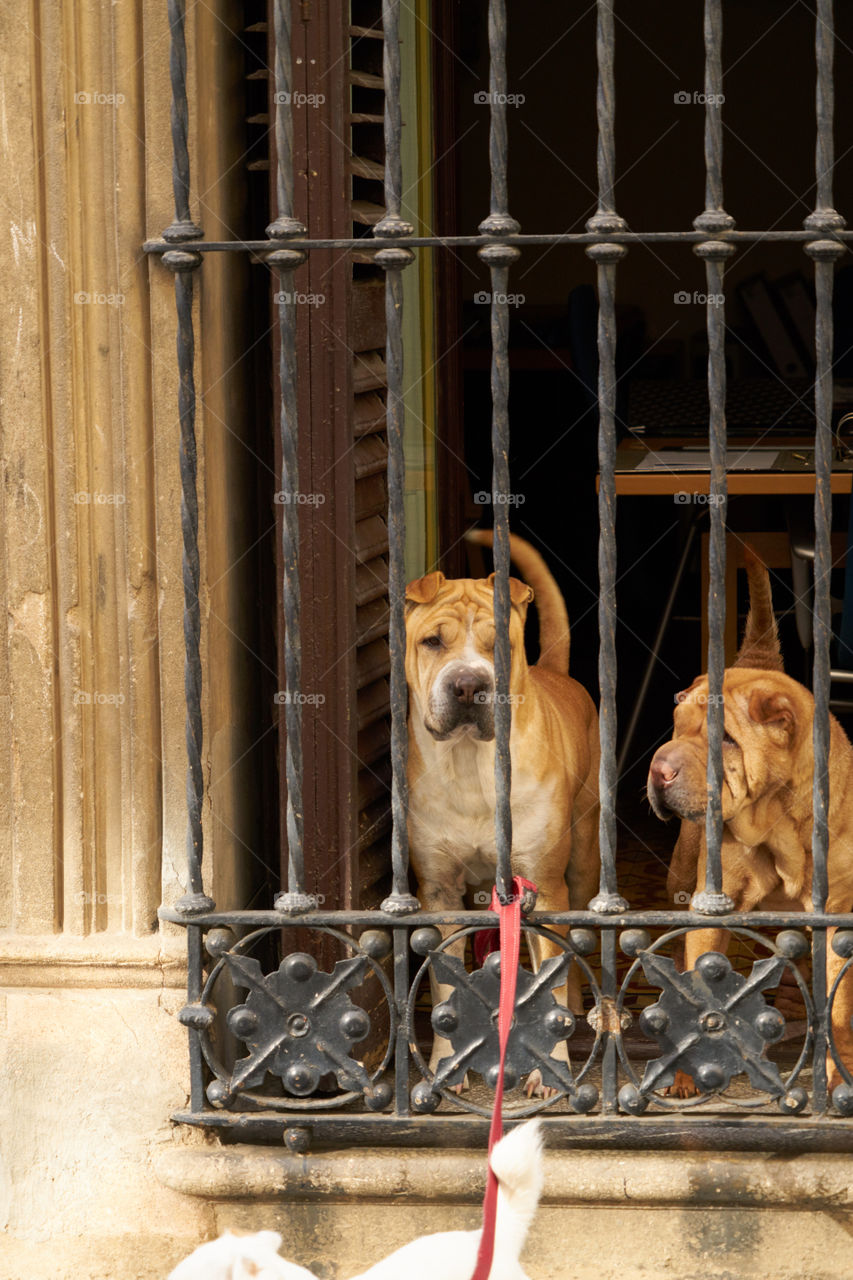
(424, 590)
(773, 709)
(682, 695)
(519, 592)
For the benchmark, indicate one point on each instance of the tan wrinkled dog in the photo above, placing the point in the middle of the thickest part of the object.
(554, 749)
(768, 765)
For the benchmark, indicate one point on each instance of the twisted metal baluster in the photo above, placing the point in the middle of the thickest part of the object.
(824, 252)
(183, 227)
(392, 223)
(285, 223)
(605, 220)
(711, 900)
(400, 901)
(294, 900)
(714, 219)
(499, 222)
(183, 262)
(499, 258)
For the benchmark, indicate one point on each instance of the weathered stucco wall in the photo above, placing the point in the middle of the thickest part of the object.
(604, 1215)
(92, 754)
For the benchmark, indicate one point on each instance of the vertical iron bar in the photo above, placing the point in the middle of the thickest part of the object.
(183, 227)
(502, 605)
(194, 988)
(499, 258)
(183, 262)
(714, 219)
(824, 252)
(605, 218)
(824, 218)
(499, 222)
(294, 900)
(401, 992)
(400, 901)
(608, 900)
(392, 223)
(285, 224)
(712, 900)
(610, 1056)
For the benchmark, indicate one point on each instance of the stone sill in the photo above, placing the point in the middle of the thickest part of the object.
(107, 960)
(605, 1179)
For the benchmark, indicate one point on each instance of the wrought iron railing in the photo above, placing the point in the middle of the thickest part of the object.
(301, 1074)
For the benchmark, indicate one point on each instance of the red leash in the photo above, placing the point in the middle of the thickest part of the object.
(509, 916)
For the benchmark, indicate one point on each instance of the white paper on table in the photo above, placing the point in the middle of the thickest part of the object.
(758, 459)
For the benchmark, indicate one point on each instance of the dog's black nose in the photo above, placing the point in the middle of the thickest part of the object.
(467, 687)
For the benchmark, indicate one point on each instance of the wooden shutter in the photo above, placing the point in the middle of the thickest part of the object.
(371, 494)
(341, 405)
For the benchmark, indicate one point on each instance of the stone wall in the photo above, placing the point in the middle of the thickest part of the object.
(92, 754)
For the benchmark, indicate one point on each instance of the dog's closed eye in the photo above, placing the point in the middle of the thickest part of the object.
(728, 740)
(432, 642)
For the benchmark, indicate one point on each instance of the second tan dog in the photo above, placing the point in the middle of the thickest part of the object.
(768, 764)
(554, 750)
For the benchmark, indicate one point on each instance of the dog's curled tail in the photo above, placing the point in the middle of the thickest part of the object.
(760, 645)
(554, 634)
(517, 1164)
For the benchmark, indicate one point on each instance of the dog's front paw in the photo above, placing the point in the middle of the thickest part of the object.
(534, 1088)
(683, 1086)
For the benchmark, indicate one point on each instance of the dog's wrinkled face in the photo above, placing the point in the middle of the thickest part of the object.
(767, 716)
(450, 642)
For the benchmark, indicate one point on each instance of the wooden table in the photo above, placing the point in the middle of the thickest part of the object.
(791, 476)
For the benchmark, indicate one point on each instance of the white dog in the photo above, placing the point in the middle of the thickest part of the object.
(233, 1257)
(446, 1255)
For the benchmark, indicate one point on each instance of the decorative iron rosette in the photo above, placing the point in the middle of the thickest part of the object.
(469, 1020)
(713, 1023)
(299, 1024)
